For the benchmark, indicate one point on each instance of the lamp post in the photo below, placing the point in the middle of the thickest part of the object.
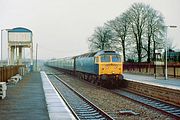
(1, 48)
(170, 26)
(2, 44)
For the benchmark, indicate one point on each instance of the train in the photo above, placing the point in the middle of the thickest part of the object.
(103, 67)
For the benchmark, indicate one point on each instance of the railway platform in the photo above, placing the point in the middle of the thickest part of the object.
(57, 108)
(171, 83)
(27, 100)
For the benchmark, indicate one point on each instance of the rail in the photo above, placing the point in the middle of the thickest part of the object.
(169, 109)
(83, 108)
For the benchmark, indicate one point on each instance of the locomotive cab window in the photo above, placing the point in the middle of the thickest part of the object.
(105, 58)
(116, 58)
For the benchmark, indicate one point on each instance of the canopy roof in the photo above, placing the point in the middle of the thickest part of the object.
(19, 29)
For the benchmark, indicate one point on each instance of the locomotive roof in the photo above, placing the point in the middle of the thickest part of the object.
(90, 54)
(106, 52)
(97, 53)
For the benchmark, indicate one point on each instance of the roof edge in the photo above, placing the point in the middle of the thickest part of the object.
(19, 29)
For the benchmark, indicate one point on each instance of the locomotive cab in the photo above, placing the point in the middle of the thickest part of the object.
(110, 65)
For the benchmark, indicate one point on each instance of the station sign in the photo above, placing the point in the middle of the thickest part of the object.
(159, 63)
(161, 51)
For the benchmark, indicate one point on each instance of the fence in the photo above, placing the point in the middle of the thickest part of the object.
(152, 69)
(7, 72)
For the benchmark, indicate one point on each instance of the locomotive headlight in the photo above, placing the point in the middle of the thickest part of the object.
(107, 66)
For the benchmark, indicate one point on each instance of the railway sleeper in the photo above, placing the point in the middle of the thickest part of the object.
(160, 105)
(166, 109)
(90, 115)
(157, 103)
(84, 107)
(154, 102)
(169, 110)
(177, 111)
(88, 107)
(178, 114)
(92, 118)
(85, 110)
(172, 112)
(95, 114)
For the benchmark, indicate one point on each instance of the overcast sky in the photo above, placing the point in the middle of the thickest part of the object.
(61, 27)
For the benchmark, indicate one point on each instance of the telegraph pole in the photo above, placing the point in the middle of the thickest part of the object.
(170, 26)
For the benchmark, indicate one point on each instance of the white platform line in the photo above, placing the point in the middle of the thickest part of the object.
(57, 108)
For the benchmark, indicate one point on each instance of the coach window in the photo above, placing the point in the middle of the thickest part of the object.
(116, 58)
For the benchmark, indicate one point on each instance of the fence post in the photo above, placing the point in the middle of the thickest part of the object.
(174, 70)
(154, 65)
(0, 74)
(139, 67)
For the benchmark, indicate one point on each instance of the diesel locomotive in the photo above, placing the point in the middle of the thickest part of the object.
(102, 67)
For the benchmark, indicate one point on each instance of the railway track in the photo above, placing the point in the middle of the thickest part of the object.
(172, 110)
(78, 104)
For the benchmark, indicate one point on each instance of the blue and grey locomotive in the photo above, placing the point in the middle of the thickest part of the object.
(98, 67)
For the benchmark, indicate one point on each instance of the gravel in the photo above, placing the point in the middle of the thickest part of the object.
(111, 103)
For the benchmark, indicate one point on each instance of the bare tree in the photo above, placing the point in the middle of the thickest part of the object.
(154, 29)
(146, 29)
(137, 15)
(120, 25)
(141, 28)
(101, 39)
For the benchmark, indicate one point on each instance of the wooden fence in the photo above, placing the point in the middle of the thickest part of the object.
(7, 72)
(152, 69)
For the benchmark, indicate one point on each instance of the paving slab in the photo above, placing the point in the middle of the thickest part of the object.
(25, 100)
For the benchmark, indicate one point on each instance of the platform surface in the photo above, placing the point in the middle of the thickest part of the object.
(171, 83)
(25, 100)
(57, 108)
(34, 98)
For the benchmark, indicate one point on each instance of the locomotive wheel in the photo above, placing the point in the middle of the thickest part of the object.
(106, 84)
